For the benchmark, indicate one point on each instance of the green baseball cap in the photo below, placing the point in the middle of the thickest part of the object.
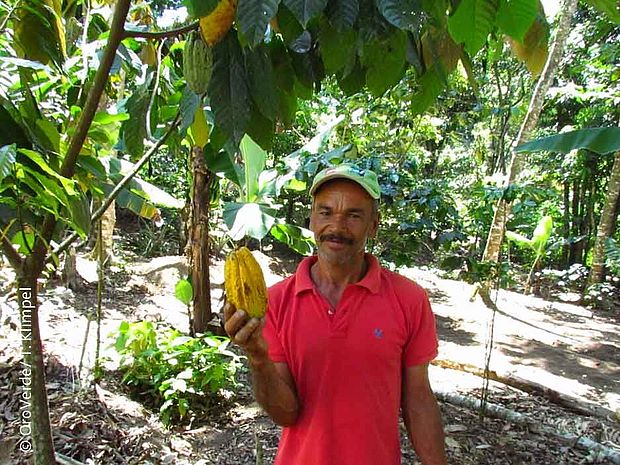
(365, 178)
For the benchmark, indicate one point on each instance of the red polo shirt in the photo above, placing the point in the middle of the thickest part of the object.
(348, 364)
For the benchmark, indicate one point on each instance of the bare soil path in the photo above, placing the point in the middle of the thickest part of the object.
(560, 345)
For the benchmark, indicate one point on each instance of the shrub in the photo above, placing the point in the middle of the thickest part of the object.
(180, 374)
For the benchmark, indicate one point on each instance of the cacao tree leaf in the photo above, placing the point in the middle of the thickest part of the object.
(39, 34)
(228, 92)
(337, 48)
(260, 128)
(354, 81)
(7, 159)
(305, 10)
(431, 85)
(200, 8)
(534, 49)
(287, 106)
(200, 128)
(384, 60)
(253, 17)
(254, 158)
(471, 23)
(611, 8)
(599, 140)
(515, 17)
(282, 67)
(133, 130)
(36, 157)
(184, 291)
(248, 219)
(221, 162)
(261, 81)
(301, 240)
(79, 210)
(404, 14)
(28, 64)
(189, 103)
(11, 131)
(136, 203)
(287, 25)
(342, 13)
(519, 239)
(541, 234)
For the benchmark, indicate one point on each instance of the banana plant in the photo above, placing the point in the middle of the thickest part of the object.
(537, 243)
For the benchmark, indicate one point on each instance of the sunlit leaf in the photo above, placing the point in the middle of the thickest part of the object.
(471, 23)
(184, 291)
(599, 140)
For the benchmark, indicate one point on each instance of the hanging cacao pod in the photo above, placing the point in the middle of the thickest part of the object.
(216, 24)
(244, 283)
(197, 63)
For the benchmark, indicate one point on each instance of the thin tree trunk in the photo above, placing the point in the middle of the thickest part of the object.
(34, 414)
(606, 223)
(566, 226)
(496, 233)
(199, 245)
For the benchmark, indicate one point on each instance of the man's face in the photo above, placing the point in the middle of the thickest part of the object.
(342, 219)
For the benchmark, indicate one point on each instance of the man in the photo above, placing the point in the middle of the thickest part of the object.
(345, 343)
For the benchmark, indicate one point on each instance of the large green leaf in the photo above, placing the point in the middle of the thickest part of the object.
(337, 48)
(228, 91)
(407, 14)
(611, 8)
(384, 60)
(599, 140)
(184, 291)
(36, 157)
(343, 13)
(299, 239)
(133, 130)
(431, 85)
(200, 8)
(305, 10)
(11, 131)
(190, 101)
(118, 168)
(471, 23)
(261, 81)
(222, 162)
(254, 159)
(253, 17)
(7, 159)
(248, 219)
(541, 234)
(515, 17)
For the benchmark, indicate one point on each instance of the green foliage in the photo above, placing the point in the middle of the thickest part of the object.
(471, 23)
(184, 291)
(514, 17)
(612, 256)
(599, 140)
(253, 18)
(180, 374)
(538, 241)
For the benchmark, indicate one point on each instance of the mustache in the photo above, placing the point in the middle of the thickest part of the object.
(335, 237)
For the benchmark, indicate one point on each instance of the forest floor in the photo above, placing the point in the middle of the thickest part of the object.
(563, 349)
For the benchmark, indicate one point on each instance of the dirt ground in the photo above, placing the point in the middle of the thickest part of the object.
(565, 348)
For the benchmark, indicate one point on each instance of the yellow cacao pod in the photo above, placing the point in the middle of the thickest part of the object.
(216, 24)
(244, 283)
(197, 63)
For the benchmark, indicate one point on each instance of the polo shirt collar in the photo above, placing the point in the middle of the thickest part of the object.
(371, 281)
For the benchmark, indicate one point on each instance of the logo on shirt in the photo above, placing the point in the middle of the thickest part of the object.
(378, 332)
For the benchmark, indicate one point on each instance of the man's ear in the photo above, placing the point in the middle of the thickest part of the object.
(375, 226)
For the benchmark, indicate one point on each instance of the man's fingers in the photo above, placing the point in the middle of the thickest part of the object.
(229, 310)
(243, 335)
(234, 322)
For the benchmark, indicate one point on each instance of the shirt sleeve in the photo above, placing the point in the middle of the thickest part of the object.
(422, 345)
(270, 333)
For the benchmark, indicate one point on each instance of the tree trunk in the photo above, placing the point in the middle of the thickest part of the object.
(566, 226)
(496, 232)
(606, 223)
(199, 242)
(34, 412)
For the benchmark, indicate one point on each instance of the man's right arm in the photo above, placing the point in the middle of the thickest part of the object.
(274, 387)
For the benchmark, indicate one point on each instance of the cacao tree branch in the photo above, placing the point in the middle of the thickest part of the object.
(15, 259)
(156, 35)
(67, 169)
(123, 182)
